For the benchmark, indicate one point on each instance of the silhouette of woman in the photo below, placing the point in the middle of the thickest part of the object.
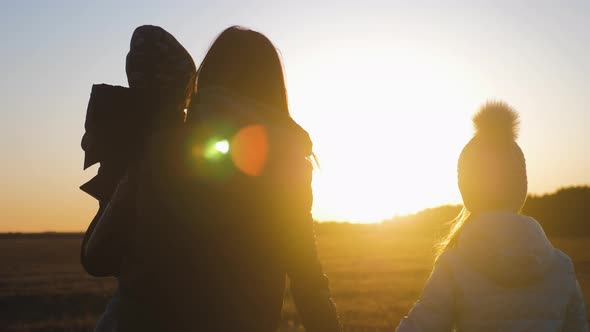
(497, 270)
(226, 217)
(161, 77)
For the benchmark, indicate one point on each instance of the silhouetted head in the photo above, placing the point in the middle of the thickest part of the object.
(492, 168)
(241, 96)
(247, 64)
(156, 60)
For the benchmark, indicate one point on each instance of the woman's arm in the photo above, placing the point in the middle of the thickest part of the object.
(106, 240)
(86, 264)
(309, 285)
(434, 310)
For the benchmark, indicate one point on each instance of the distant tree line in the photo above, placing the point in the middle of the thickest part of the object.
(43, 235)
(565, 212)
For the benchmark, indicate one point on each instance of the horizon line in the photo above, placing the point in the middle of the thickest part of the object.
(390, 219)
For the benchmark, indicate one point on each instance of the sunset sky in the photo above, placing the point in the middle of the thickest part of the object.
(385, 88)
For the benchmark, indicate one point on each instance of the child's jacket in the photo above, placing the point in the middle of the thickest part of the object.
(504, 275)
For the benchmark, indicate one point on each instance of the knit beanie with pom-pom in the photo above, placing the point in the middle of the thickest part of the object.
(492, 168)
(157, 60)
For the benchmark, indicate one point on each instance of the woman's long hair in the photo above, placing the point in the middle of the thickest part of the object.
(246, 63)
(452, 238)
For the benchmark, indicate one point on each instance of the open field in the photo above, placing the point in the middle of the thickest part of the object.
(376, 274)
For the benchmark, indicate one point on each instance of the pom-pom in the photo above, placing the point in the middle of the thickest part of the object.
(496, 120)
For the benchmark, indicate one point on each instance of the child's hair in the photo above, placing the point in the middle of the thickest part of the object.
(451, 239)
(246, 63)
(491, 170)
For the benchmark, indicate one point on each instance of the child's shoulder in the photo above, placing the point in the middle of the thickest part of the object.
(447, 257)
(562, 261)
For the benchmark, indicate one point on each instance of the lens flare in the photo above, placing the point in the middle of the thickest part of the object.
(222, 146)
(250, 149)
(215, 149)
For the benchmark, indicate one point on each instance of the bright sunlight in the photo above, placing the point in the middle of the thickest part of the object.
(391, 148)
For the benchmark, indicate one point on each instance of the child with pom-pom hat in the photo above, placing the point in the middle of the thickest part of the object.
(496, 270)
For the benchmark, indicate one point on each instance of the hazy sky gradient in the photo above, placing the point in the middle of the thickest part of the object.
(386, 89)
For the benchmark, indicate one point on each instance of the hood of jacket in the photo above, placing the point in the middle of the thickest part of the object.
(509, 248)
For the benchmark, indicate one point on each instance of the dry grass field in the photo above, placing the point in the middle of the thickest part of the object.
(376, 273)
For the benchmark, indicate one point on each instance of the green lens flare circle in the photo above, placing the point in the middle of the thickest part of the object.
(216, 149)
